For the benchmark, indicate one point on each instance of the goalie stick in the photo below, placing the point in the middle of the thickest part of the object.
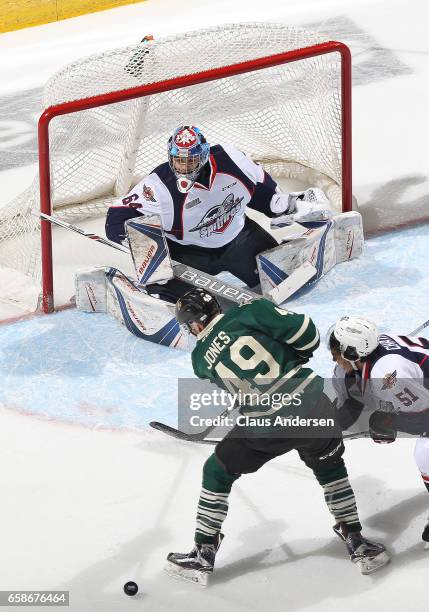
(192, 276)
(281, 292)
(79, 230)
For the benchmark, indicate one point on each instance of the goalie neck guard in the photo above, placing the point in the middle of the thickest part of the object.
(353, 337)
(196, 306)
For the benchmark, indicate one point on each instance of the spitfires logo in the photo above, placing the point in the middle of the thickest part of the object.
(148, 193)
(218, 218)
(389, 380)
(186, 138)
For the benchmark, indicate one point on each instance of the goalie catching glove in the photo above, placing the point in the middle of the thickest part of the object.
(300, 206)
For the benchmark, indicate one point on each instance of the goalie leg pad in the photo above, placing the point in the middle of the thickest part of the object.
(108, 290)
(322, 246)
(315, 247)
(149, 250)
(91, 290)
(349, 238)
(144, 316)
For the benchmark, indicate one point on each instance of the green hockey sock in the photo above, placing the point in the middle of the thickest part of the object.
(213, 502)
(339, 496)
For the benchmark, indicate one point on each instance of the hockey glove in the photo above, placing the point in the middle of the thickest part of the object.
(415, 423)
(301, 206)
(348, 413)
(281, 203)
(382, 427)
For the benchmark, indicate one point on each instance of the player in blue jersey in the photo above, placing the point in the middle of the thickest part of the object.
(387, 375)
(201, 194)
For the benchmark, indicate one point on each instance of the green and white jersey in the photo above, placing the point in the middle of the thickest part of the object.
(259, 349)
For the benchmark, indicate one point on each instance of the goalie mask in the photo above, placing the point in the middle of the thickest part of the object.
(196, 306)
(353, 337)
(188, 152)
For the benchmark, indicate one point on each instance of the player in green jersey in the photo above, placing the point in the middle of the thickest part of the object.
(259, 346)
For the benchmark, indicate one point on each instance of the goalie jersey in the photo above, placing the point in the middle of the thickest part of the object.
(260, 348)
(212, 213)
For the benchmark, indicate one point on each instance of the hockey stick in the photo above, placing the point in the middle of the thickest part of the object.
(181, 435)
(78, 230)
(420, 328)
(358, 434)
(196, 437)
(192, 276)
(297, 279)
(200, 436)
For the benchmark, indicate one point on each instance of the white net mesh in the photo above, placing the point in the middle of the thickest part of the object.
(288, 117)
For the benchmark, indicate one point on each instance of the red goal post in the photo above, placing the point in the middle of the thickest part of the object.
(180, 82)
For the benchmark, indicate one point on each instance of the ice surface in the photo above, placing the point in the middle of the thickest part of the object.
(91, 497)
(86, 367)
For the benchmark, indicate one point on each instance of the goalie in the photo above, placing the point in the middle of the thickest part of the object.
(194, 207)
(201, 195)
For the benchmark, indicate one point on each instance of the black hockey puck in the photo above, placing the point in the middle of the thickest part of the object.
(131, 588)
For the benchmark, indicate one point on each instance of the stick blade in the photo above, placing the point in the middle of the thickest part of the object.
(170, 431)
(292, 283)
(181, 435)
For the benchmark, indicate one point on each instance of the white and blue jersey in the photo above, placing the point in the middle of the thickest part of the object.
(212, 213)
(394, 378)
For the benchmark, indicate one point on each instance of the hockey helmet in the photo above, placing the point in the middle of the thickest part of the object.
(353, 337)
(196, 306)
(188, 152)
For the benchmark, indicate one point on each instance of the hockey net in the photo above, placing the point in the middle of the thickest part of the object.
(280, 94)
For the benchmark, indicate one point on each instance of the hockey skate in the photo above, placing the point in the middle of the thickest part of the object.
(195, 566)
(425, 536)
(368, 555)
